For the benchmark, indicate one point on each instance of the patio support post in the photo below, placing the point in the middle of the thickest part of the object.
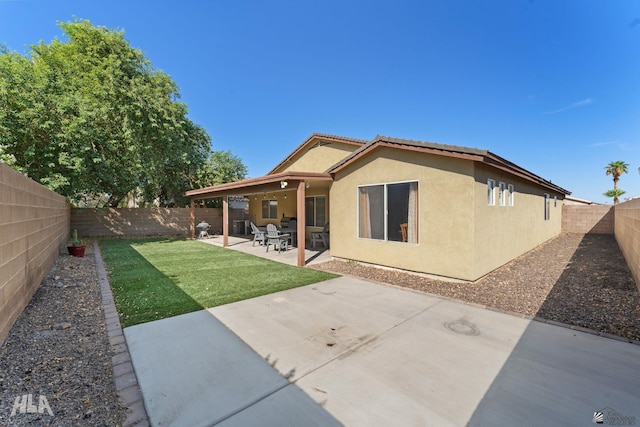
(225, 221)
(192, 218)
(300, 213)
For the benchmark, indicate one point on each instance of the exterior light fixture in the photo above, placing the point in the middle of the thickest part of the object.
(283, 184)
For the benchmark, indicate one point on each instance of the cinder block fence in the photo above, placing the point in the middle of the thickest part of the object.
(34, 227)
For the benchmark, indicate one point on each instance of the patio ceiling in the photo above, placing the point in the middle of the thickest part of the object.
(262, 184)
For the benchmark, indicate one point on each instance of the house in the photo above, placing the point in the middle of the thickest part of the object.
(431, 208)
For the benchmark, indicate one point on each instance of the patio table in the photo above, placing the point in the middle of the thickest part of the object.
(293, 232)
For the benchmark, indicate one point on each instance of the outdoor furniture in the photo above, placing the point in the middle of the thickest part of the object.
(203, 229)
(321, 236)
(292, 229)
(258, 234)
(403, 231)
(278, 240)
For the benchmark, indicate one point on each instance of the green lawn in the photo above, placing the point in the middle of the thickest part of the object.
(158, 278)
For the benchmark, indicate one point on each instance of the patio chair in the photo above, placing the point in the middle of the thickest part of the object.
(274, 237)
(321, 236)
(203, 229)
(258, 234)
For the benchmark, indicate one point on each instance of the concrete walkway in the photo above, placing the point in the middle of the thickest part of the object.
(357, 353)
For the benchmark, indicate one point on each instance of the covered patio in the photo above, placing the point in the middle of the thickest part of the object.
(290, 257)
(279, 186)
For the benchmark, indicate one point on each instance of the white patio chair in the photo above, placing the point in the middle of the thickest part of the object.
(274, 237)
(258, 234)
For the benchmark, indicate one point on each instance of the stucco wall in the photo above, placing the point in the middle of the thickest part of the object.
(319, 158)
(503, 233)
(597, 219)
(445, 221)
(627, 232)
(34, 227)
(142, 221)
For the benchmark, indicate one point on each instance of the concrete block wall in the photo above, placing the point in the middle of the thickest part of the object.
(596, 219)
(627, 232)
(34, 227)
(144, 221)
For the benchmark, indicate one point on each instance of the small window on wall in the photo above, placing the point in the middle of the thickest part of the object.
(502, 196)
(555, 201)
(270, 209)
(510, 195)
(491, 192)
(547, 207)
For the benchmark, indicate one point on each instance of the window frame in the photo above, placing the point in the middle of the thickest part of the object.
(385, 219)
(502, 201)
(510, 194)
(491, 192)
(315, 212)
(547, 207)
(269, 206)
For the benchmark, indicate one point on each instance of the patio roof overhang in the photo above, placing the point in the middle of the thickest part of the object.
(274, 182)
(267, 183)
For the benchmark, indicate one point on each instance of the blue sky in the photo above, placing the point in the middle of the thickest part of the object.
(552, 85)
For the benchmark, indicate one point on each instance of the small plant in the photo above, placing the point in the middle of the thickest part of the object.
(76, 248)
(74, 239)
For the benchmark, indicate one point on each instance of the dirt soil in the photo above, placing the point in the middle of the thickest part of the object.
(574, 279)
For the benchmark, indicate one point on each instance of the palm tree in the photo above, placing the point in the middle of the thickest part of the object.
(615, 193)
(616, 169)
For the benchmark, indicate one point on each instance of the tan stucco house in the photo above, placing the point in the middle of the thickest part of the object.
(440, 209)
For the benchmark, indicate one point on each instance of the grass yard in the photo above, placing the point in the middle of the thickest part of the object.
(158, 278)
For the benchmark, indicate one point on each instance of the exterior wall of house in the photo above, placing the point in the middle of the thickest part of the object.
(445, 204)
(318, 158)
(502, 233)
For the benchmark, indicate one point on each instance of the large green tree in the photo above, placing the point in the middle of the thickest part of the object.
(93, 120)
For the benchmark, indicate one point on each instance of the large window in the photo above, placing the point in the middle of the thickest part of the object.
(315, 211)
(270, 209)
(388, 212)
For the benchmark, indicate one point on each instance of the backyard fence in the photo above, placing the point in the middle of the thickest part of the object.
(627, 230)
(125, 222)
(596, 219)
(34, 227)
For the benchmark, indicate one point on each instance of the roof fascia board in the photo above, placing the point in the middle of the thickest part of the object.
(259, 184)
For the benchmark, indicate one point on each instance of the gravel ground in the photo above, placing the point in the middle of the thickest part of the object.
(58, 348)
(578, 280)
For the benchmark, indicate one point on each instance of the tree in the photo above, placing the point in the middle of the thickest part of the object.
(221, 167)
(616, 169)
(615, 193)
(91, 119)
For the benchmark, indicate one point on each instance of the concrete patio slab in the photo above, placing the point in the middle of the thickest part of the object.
(359, 353)
(430, 361)
(244, 244)
(194, 372)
